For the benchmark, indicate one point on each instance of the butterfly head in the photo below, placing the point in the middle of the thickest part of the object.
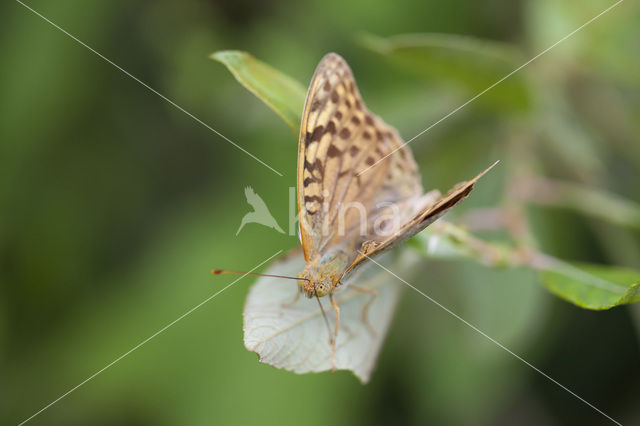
(321, 275)
(312, 285)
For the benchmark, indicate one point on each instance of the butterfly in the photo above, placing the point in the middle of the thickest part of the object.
(359, 192)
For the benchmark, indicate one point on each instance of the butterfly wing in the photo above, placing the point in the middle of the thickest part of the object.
(418, 222)
(339, 139)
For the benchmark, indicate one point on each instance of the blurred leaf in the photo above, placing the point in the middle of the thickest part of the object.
(281, 93)
(595, 50)
(471, 63)
(571, 146)
(296, 338)
(589, 286)
(593, 286)
(588, 201)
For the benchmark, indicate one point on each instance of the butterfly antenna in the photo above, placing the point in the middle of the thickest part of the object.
(229, 271)
(326, 321)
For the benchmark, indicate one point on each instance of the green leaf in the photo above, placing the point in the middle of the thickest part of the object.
(589, 286)
(281, 93)
(593, 286)
(470, 63)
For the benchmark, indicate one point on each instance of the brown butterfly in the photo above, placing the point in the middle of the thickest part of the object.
(359, 191)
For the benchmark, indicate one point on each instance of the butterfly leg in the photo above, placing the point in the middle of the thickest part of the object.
(365, 310)
(335, 333)
(295, 299)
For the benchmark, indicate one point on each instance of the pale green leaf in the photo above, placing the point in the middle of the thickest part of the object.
(296, 338)
(281, 93)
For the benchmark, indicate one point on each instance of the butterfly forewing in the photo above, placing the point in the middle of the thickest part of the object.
(339, 140)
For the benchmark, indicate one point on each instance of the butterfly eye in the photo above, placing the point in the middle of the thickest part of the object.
(322, 289)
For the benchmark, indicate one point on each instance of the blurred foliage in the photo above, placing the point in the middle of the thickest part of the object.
(466, 63)
(114, 206)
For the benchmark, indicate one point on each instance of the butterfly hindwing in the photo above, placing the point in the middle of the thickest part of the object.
(418, 222)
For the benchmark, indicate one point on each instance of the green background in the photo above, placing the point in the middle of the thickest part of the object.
(114, 206)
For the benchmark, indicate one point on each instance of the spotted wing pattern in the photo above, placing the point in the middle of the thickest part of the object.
(339, 139)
